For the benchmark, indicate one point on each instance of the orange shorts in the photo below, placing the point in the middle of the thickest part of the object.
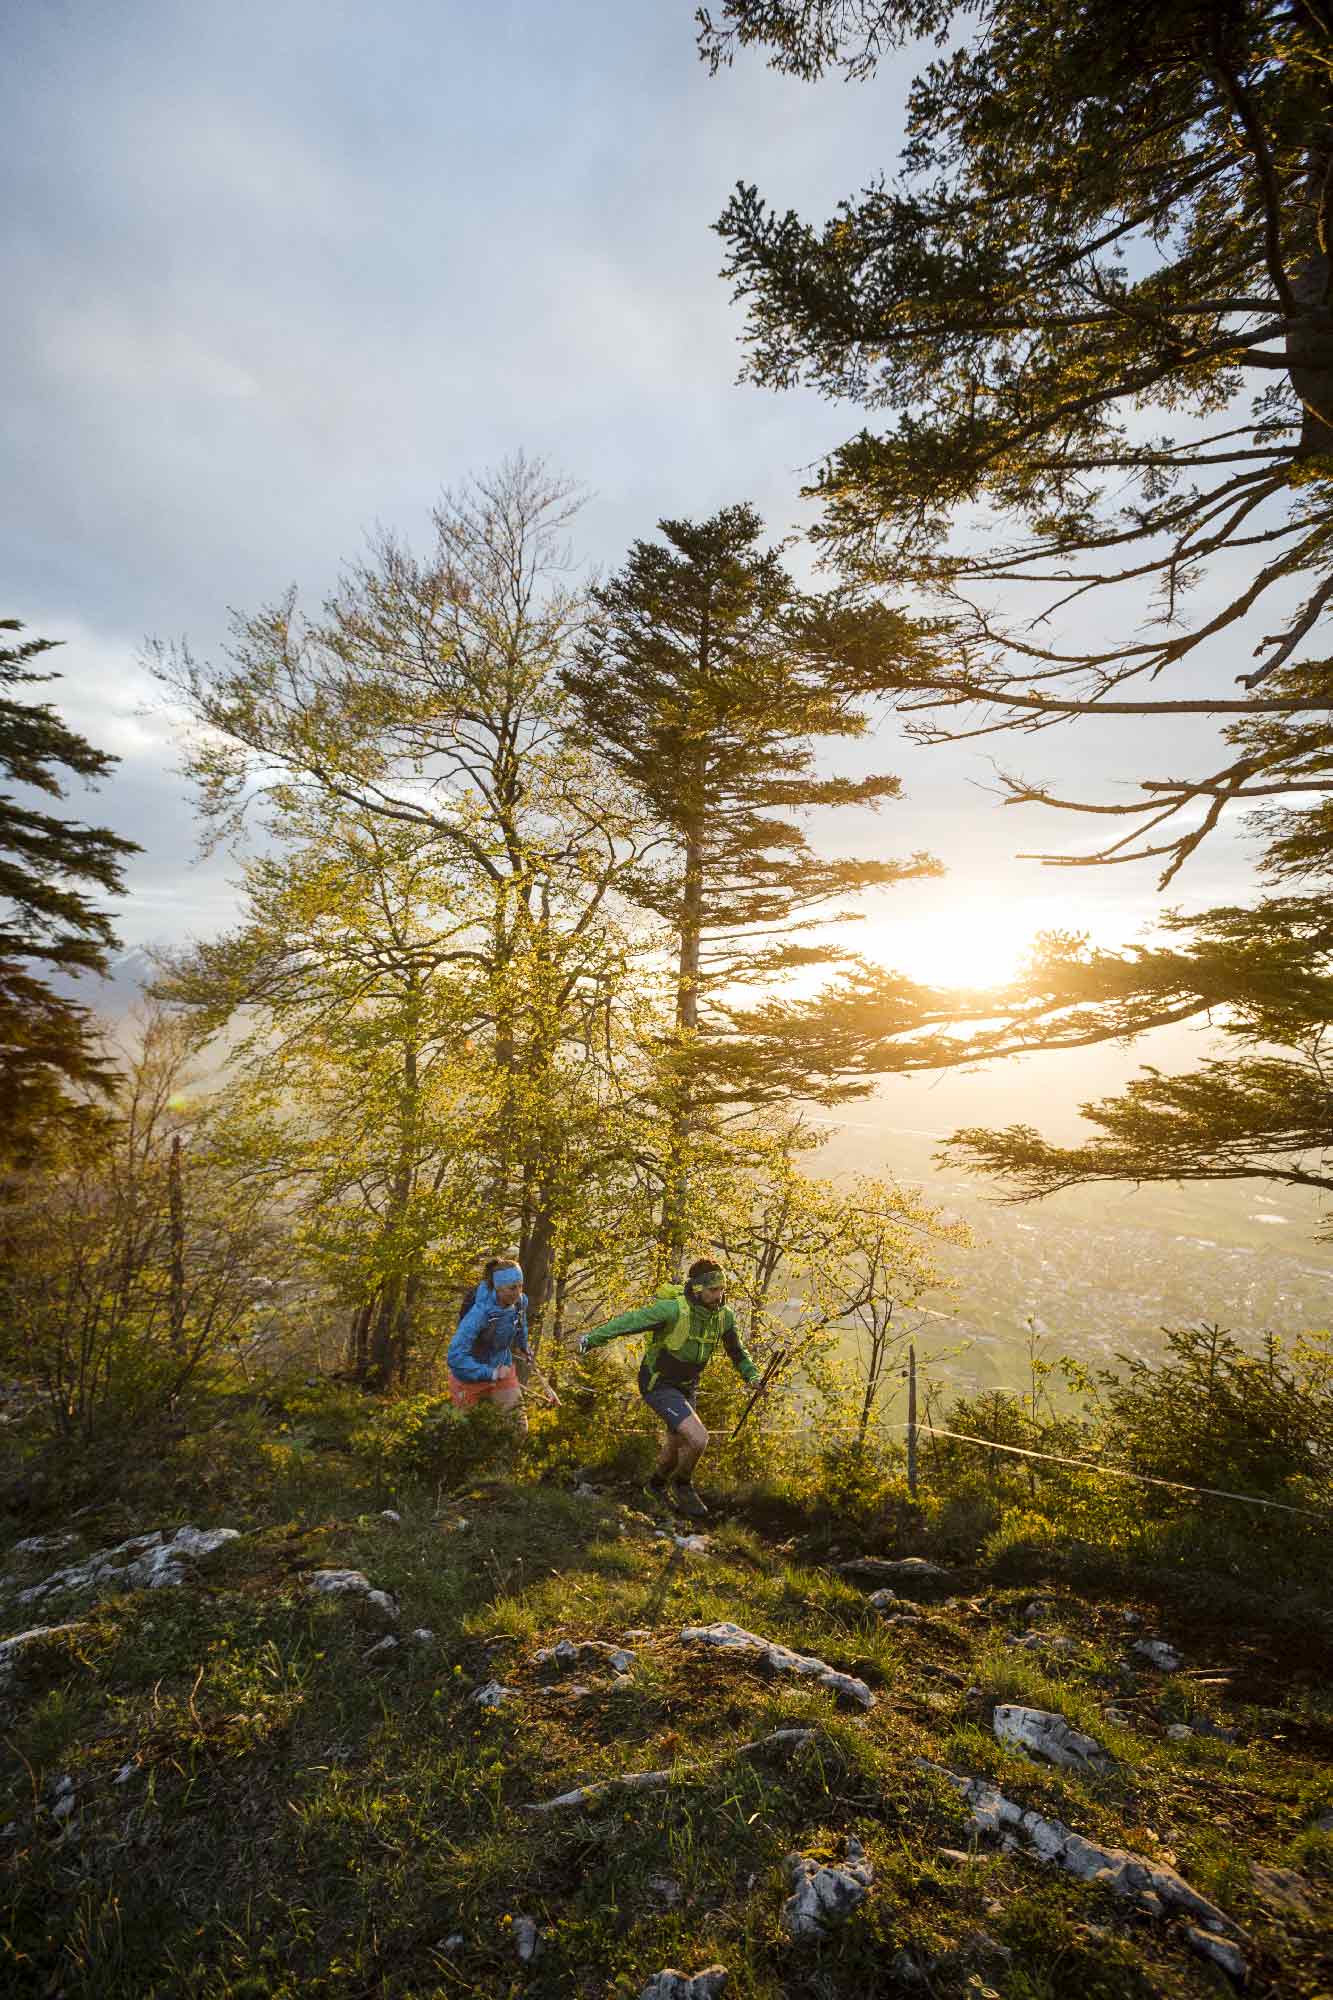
(465, 1394)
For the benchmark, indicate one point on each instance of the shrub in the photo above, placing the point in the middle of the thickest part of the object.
(425, 1440)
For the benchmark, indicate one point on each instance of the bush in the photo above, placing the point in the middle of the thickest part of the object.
(424, 1440)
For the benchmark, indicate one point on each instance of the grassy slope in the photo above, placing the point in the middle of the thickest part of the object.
(297, 1822)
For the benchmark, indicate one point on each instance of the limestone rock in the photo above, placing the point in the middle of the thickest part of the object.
(1043, 1734)
(904, 1571)
(527, 1939)
(779, 1659)
(1179, 1732)
(1151, 1885)
(1225, 1955)
(12, 1650)
(143, 1562)
(381, 1648)
(672, 1985)
(824, 1894)
(493, 1695)
(1283, 1889)
(583, 1653)
(391, 1515)
(352, 1583)
(883, 1600)
(665, 1889)
(43, 1545)
(1157, 1653)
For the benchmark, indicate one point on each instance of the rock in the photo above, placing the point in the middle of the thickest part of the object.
(1221, 1953)
(527, 1939)
(1179, 1732)
(977, 1953)
(779, 1659)
(638, 1637)
(352, 1583)
(124, 1774)
(391, 1515)
(904, 1571)
(1203, 1725)
(381, 1648)
(1132, 1876)
(1130, 1618)
(1158, 1654)
(12, 1650)
(822, 1894)
(1283, 1889)
(1118, 1717)
(1043, 1642)
(150, 1562)
(423, 1636)
(582, 1653)
(1043, 1734)
(957, 1857)
(694, 1545)
(1324, 1823)
(584, 1492)
(493, 1695)
(454, 1942)
(882, 1600)
(785, 1740)
(43, 1545)
(665, 1889)
(672, 1985)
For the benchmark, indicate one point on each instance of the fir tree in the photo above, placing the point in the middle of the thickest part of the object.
(1095, 306)
(706, 679)
(47, 923)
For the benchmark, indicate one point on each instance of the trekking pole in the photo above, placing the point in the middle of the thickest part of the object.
(542, 1382)
(775, 1362)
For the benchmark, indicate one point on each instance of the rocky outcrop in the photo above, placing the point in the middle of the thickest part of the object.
(824, 1894)
(153, 1561)
(352, 1583)
(1150, 1885)
(731, 1638)
(785, 1740)
(1043, 1734)
(567, 1653)
(672, 1985)
(14, 1652)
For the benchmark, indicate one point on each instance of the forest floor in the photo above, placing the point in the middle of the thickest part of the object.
(232, 1787)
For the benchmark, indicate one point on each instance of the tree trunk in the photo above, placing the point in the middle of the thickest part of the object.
(681, 1097)
(176, 1211)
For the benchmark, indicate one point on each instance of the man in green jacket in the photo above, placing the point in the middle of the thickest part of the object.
(684, 1324)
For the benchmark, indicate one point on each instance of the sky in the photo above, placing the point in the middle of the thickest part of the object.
(277, 273)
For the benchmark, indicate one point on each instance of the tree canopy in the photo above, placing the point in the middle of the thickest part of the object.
(1093, 311)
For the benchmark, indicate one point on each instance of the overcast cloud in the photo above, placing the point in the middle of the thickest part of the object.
(275, 273)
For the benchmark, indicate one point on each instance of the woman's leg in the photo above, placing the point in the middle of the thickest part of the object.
(508, 1396)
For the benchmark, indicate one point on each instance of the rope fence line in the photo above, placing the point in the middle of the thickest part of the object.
(1048, 1457)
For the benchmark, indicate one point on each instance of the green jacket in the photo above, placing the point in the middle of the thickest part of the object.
(663, 1322)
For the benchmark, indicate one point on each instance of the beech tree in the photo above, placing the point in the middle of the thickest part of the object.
(424, 701)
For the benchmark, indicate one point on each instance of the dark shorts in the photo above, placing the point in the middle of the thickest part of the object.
(671, 1401)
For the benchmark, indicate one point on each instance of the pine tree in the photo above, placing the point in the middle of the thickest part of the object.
(47, 925)
(706, 679)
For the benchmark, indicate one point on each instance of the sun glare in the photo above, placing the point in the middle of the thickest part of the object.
(976, 943)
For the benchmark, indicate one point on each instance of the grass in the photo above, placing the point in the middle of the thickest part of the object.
(260, 1811)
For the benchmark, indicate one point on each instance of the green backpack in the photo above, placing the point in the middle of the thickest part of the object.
(692, 1349)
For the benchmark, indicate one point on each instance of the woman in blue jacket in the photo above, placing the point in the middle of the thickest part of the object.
(491, 1332)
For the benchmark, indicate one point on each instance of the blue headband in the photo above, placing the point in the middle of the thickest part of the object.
(506, 1274)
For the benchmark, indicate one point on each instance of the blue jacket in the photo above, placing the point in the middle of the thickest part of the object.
(487, 1337)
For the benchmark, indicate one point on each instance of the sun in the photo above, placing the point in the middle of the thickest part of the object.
(974, 943)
